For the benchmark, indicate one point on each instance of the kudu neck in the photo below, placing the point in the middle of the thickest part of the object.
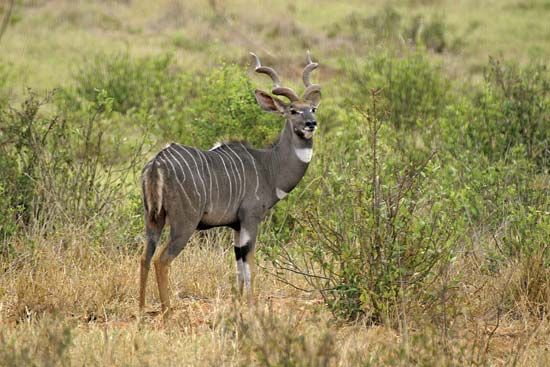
(291, 157)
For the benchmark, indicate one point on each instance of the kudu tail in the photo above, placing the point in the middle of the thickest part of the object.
(152, 185)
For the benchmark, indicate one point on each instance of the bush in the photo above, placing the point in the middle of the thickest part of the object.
(131, 83)
(414, 92)
(390, 27)
(431, 34)
(380, 231)
(195, 109)
(385, 25)
(501, 184)
(223, 106)
(62, 167)
(517, 101)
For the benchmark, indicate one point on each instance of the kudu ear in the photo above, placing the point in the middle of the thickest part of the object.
(314, 97)
(269, 103)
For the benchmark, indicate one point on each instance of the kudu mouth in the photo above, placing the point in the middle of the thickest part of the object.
(306, 132)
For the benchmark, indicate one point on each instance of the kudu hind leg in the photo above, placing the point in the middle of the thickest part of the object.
(153, 236)
(178, 240)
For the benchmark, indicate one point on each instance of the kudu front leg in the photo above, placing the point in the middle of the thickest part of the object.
(245, 243)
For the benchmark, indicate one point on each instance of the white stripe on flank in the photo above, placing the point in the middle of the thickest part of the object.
(203, 175)
(242, 166)
(255, 171)
(204, 157)
(235, 172)
(166, 152)
(190, 171)
(230, 186)
(177, 180)
(241, 179)
(197, 165)
(213, 173)
(210, 173)
(304, 154)
(280, 193)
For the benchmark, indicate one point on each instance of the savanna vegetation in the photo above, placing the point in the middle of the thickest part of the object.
(419, 236)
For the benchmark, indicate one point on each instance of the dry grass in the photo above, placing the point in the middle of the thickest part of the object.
(66, 302)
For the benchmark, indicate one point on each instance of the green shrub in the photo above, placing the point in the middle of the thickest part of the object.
(414, 91)
(391, 28)
(385, 25)
(131, 83)
(195, 109)
(380, 230)
(431, 34)
(517, 101)
(507, 118)
(223, 107)
(63, 169)
(499, 184)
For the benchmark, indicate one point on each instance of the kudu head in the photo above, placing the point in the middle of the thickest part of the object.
(300, 112)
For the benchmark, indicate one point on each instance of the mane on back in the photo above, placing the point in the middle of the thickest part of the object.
(242, 143)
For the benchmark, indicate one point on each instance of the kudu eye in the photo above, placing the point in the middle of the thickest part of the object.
(313, 109)
(294, 112)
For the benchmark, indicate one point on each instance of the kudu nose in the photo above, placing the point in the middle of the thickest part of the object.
(311, 124)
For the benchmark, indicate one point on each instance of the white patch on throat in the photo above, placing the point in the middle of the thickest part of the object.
(304, 154)
(244, 237)
(280, 193)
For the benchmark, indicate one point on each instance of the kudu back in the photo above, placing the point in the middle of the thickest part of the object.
(229, 185)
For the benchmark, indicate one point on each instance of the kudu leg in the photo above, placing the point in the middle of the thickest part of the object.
(245, 243)
(178, 240)
(153, 236)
